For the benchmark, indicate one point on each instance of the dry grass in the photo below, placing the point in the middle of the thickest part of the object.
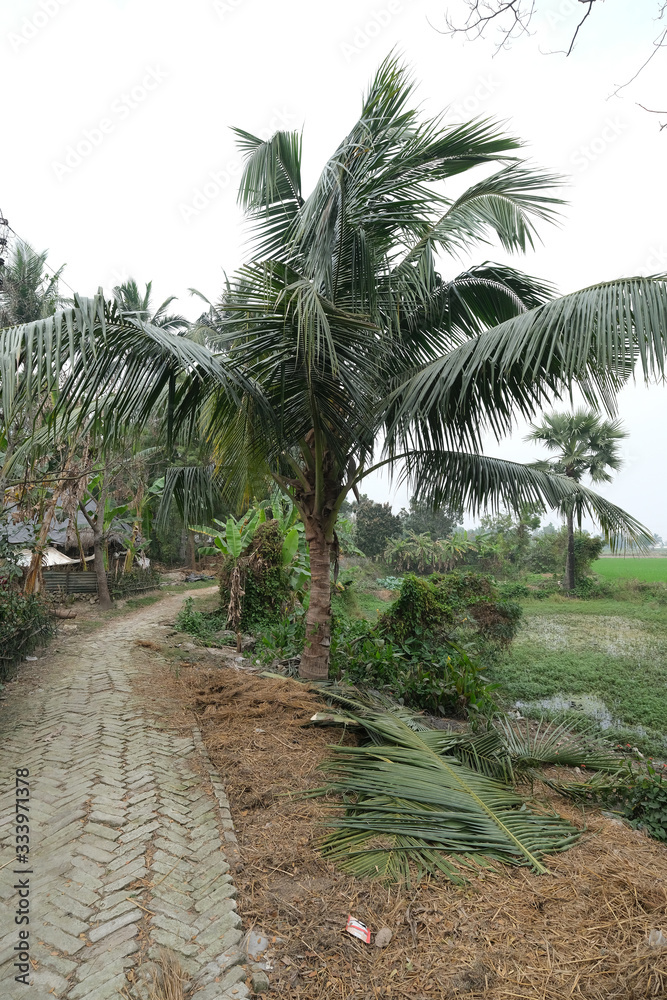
(579, 932)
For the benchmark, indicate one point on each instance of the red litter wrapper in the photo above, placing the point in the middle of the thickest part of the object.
(358, 930)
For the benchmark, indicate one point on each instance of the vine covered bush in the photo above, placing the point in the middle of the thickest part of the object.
(457, 607)
(266, 584)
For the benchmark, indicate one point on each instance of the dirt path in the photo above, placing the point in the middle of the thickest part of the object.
(129, 828)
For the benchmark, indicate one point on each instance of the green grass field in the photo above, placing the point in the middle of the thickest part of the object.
(632, 568)
(605, 660)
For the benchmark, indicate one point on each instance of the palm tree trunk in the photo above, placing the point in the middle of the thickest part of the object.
(569, 565)
(315, 656)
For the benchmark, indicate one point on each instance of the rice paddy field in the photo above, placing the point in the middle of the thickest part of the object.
(650, 570)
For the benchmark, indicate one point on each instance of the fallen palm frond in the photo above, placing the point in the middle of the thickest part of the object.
(554, 743)
(506, 750)
(411, 805)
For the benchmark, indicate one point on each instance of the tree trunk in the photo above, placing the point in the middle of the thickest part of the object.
(34, 579)
(315, 657)
(97, 526)
(191, 550)
(569, 565)
(100, 572)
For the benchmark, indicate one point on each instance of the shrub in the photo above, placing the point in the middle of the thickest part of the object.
(442, 681)
(514, 591)
(638, 793)
(202, 625)
(460, 607)
(24, 624)
(282, 639)
(548, 553)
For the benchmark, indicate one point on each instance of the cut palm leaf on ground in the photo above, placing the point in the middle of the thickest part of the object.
(413, 808)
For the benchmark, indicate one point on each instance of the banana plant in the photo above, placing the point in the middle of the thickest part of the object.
(232, 537)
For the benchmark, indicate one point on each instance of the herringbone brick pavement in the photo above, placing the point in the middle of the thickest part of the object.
(130, 832)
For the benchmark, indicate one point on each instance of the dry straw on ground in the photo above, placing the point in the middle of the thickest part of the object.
(581, 931)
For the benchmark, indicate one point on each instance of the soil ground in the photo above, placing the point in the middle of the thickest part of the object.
(579, 932)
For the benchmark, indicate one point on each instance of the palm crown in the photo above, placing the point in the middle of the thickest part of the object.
(587, 444)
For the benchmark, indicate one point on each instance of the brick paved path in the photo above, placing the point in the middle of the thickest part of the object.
(129, 828)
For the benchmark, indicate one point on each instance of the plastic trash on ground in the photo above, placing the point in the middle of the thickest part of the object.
(358, 930)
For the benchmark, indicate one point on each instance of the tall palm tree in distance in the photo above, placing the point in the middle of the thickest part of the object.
(587, 445)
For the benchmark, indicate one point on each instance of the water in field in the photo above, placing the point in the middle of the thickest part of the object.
(589, 705)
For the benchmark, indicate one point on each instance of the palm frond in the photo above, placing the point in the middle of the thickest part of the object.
(193, 489)
(554, 743)
(480, 482)
(593, 338)
(410, 807)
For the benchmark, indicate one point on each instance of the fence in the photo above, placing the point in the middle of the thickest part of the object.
(76, 582)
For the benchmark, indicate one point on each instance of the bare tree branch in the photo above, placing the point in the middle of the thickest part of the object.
(512, 17)
(659, 43)
(652, 111)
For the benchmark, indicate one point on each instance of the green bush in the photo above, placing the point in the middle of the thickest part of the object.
(548, 553)
(638, 793)
(24, 624)
(282, 639)
(202, 625)
(466, 608)
(514, 591)
(442, 681)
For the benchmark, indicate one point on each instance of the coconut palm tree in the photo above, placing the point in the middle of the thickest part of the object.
(349, 333)
(587, 445)
(28, 292)
(131, 302)
(342, 330)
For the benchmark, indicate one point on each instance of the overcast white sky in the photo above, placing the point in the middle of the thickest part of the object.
(117, 154)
